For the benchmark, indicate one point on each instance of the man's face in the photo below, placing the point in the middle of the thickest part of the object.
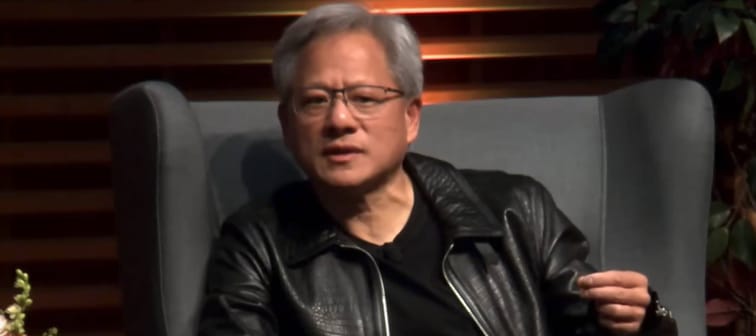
(339, 145)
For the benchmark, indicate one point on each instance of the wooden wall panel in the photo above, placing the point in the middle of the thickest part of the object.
(61, 61)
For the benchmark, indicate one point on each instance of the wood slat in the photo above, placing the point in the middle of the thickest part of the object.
(34, 106)
(96, 104)
(80, 10)
(519, 46)
(54, 153)
(55, 202)
(135, 55)
(58, 250)
(71, 297)
(260, 53)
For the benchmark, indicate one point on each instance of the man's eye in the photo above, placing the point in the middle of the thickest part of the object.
(363, 100)
(314, 101)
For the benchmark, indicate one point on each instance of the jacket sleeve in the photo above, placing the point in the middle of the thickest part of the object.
(237, 296)
(563, 250)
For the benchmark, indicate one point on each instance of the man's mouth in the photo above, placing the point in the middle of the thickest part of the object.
(341, 153)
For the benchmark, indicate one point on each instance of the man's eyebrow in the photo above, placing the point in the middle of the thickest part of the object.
(316, 86)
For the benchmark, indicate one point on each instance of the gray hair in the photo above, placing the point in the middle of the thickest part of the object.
(395, 34)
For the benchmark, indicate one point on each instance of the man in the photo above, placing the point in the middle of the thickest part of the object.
(380, 241)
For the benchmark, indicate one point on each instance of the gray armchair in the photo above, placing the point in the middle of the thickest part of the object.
(632, 169)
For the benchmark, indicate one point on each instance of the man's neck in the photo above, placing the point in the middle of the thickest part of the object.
(375, 216)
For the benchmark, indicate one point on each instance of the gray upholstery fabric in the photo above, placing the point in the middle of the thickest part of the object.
(632, 169)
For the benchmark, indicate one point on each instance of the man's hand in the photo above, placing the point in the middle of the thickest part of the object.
(621, 298)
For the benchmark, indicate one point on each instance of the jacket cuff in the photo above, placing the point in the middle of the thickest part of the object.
(658, 319)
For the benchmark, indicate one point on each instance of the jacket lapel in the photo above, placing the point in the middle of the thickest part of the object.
(459, 208)
(304, 228)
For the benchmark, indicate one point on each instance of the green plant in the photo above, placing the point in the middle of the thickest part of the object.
(713, 42)
(731, 257)
(16, 312)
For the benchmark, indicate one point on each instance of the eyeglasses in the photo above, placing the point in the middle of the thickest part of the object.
(364, 101)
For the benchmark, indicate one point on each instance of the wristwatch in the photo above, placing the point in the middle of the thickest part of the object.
(657, 308)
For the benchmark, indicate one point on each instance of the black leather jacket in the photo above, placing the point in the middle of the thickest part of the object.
(512, 259)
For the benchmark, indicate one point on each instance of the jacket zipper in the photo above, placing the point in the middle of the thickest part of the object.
(456, 293)
(380, 281)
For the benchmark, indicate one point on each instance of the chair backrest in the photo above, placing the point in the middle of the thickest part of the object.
(632, 169)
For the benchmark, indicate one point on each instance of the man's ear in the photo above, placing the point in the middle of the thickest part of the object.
(412, 116)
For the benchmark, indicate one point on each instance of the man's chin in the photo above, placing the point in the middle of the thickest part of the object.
(348, 179)
(342, 182)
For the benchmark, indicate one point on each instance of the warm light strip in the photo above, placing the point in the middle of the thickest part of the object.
(395, 10)
(78, 10)
(442, 10)
(443, 6)
(247, 53)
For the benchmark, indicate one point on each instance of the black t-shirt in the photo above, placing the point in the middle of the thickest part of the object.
(419, 301)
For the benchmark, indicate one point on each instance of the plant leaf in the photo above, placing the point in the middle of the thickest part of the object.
(670, 21)
(751, 169)
(738, 278)
(694, 18)
(750, 26)
(602, 9)
(646, 10)
(743, 242)
(611, 49)
(623, 13)
(718, 213)
(720, 312)
(745, 116)
(673, 4)
(716, 245)
(751, 216)
(733, 76)
(726, 24)
(733, 4)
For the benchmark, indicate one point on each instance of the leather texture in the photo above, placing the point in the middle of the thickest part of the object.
(631, 169)
(512, 257)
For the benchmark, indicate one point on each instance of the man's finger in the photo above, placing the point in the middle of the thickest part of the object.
(621, 313)
(626, 279)
(620, 328)
(634, 297)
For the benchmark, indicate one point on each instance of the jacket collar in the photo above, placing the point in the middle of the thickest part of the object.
(460, 209)
(308, 230)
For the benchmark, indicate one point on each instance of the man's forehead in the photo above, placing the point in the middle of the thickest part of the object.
(350, 44)
(319, 85)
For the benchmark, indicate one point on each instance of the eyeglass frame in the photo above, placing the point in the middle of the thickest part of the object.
(356, 112)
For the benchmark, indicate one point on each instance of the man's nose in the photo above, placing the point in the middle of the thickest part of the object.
(341, 116)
